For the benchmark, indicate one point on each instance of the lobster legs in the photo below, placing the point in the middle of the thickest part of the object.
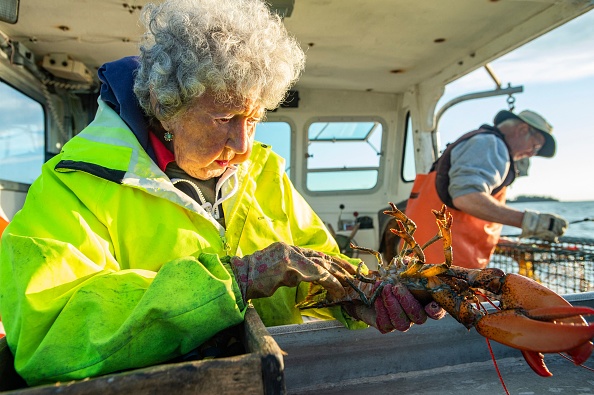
(532, 318)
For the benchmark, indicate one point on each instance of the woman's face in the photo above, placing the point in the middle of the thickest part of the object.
(209, 136)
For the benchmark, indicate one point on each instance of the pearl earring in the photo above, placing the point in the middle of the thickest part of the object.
(168, 136)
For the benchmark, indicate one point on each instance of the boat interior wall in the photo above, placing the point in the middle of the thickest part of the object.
(385, 46)
(12, 198)
(420, 101)
(341, 105)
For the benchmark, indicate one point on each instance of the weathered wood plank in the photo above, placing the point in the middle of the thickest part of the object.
(235, 375)
(259, 371)
(258, 340)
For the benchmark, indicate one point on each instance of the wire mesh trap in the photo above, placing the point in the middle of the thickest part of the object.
(566, 266)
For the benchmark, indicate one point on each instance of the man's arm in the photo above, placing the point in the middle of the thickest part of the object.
(478, 166)
(485, 207)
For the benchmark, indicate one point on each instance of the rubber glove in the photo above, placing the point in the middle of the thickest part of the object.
(395, 308)
(280, 264)
(543, 225)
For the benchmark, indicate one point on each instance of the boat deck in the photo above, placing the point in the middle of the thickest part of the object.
(439, 357)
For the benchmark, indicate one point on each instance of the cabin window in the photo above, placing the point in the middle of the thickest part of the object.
(344, 155)
(278, 136)
(408, 157)
(22, 131)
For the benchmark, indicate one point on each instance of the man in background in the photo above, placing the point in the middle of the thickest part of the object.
(471, 177)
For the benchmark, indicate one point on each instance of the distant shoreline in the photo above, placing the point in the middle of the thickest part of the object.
(527, 198)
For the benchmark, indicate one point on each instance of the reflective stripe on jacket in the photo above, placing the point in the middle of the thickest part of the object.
(109, 267)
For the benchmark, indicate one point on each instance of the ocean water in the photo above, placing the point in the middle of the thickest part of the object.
(580, 216)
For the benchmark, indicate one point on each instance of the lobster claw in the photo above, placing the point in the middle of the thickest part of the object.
(536, 320)
(579, 355)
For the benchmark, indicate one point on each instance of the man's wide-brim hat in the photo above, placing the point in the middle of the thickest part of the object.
(537, 122)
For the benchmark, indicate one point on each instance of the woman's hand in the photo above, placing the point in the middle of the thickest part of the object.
(280, 264)
(395, 308)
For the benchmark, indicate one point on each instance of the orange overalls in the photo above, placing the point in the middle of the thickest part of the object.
(473, 239)
(3, 224)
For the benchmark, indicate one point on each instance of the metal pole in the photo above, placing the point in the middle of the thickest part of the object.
(492, 74)
(477, 95)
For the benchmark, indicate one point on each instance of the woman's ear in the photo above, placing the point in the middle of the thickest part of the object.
(166, 125)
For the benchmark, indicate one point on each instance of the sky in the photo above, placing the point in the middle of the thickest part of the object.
(557, 73)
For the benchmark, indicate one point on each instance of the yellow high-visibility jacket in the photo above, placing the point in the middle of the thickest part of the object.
(109, 267)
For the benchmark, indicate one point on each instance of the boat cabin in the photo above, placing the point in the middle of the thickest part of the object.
(355, 130)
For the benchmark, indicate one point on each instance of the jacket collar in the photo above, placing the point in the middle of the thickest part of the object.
(117, 90)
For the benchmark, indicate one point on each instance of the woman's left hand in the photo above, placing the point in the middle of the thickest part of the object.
(395, 308)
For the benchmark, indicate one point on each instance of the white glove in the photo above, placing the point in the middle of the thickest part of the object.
(543, 226)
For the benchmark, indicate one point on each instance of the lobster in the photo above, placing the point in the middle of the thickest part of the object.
(531, 317)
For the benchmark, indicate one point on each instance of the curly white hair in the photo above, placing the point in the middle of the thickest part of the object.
(236, 49)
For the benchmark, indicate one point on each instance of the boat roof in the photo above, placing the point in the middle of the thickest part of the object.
(381, 45)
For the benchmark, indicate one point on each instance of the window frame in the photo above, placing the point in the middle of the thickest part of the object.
(408, 133)
(27, 88)
(382, 160)
(293, 141)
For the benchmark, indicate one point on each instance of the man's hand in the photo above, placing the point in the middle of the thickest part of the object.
(543, 225)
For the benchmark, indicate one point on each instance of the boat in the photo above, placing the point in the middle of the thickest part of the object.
(355, 130)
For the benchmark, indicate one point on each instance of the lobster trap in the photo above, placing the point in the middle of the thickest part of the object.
(566, 266)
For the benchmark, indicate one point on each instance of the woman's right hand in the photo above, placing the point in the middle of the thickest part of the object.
(280, 264)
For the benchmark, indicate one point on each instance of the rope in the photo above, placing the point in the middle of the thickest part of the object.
(50, 103)
(581, 220)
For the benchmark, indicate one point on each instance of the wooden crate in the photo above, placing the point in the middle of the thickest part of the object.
(258, 371)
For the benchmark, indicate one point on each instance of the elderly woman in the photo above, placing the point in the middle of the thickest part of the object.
(120, 257)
